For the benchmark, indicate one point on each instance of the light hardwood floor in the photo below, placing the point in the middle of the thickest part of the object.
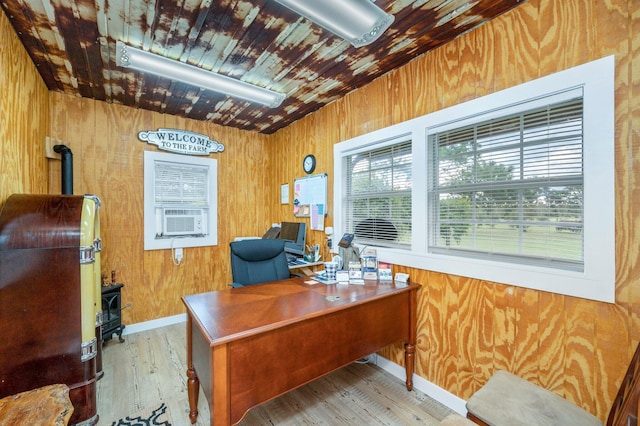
(149, 369)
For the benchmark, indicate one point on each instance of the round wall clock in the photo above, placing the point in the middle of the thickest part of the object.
(309, 164)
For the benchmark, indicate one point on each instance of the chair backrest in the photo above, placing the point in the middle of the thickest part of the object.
(626, 404)
(258, 261)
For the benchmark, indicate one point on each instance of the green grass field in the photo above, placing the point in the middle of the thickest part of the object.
(538, 240)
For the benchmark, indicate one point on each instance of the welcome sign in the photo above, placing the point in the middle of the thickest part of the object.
(181, 141)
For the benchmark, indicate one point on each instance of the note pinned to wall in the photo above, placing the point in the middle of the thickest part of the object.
(317, 217)
(310, 191)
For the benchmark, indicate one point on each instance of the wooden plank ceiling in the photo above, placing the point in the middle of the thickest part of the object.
(73, 45)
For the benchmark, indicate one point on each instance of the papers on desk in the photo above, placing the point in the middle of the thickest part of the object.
(342, 277)
(384, 271)
(355, 273)
(322, 278)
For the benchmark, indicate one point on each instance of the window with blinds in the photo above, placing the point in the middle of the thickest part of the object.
(511, 188)
(377, 201)
(183, 184)
(516, 187)
(180, 201)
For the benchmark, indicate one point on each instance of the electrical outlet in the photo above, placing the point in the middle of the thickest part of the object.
(178, 254)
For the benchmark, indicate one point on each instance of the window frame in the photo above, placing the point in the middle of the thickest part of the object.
(517, 146)
(350, 197)
(597, 280)
(151, 220)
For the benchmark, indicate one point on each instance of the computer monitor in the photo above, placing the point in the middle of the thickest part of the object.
(293, 234)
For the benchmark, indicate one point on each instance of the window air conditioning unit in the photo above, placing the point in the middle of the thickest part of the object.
(183, 221)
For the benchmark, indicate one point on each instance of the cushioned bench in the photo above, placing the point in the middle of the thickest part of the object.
(455, 420)
(509, 400)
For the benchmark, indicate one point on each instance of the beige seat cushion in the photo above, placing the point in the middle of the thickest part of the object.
(456, 420)
(508, 400)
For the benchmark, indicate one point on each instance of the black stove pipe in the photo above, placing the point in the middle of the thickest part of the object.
(67, 168)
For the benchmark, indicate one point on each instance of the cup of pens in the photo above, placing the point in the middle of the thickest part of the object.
(313, 253)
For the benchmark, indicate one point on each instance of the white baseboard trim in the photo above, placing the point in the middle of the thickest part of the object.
(423, 385)
(156, 323)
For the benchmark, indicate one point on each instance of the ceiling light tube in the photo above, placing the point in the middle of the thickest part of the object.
(137, 59)
(360, 22)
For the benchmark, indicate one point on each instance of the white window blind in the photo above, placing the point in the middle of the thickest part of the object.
(182, 184)
(377, 203)
(515, 187)
(511, 188)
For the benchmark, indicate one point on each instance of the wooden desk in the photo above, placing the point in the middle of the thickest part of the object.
(248, 345)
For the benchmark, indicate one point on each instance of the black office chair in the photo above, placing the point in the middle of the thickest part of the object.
(258, 261)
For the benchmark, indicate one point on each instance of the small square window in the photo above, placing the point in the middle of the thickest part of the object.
(180, 201)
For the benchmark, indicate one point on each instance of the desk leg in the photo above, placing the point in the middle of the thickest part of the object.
(410, 345)
(409, 361)
(193, 384)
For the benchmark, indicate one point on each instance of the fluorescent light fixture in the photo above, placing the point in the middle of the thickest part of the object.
(360, 22)
(137, 59)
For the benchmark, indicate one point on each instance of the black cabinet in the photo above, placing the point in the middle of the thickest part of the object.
(112, 312)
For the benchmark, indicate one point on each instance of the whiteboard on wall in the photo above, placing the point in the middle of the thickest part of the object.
(310, 192)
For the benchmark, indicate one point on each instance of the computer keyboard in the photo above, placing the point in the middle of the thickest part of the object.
(293, 260)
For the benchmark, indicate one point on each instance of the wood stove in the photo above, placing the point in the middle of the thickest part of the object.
(112, 312)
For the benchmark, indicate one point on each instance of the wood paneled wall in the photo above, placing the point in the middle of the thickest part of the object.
(24, 118)
(469, 328)
(108, 162)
